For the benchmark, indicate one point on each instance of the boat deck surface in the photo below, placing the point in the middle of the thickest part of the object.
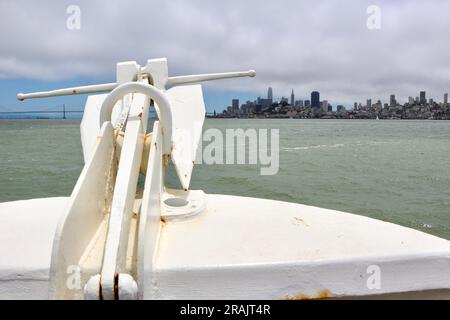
(275, 249)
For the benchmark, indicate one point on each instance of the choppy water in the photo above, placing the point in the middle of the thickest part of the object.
(397, 171)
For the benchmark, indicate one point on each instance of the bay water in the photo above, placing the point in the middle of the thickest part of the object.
(396, 171)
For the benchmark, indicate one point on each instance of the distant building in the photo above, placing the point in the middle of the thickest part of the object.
(411, 100)
(340, 107)
(270, 95)
(299, 103)
(315, 99)
(330, 108)
(284, 100)
(324, 105)
(307, 103)
(392, 102)
(292, 98)
(423, 99)
(369, 103)
(265, 103)
(445, 98)
(378, 106)
(235, 105)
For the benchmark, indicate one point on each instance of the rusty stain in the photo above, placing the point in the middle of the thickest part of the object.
(322, 294)
(74, 91)
(163, 222)
(165, 160)
(100, 292)
(116, 286)
(300, 220)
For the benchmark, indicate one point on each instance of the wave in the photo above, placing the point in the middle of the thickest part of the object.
(320, 146)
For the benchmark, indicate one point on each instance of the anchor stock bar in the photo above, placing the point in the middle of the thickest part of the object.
(106, 87)
(209, 76)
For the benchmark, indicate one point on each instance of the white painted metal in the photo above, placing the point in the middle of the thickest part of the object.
(127, 71)
(91, 289)
(114, 259)
(186, 244)
(150, 216)
(155, 68)
(104, 87)
(210, 76)
(27, 229)
(158, 72)
(188, 114)
(84, 214)
(127, 287)
(290, 251)
(162, 104)
(89, 126)
(265, 249)
(181, 204)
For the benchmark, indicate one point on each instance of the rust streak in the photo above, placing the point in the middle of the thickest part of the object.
(322, 294)
(300, 220)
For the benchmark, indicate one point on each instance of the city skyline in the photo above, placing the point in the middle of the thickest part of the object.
(315, 95)
(415, 108)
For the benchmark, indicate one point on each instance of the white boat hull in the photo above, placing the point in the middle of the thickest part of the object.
(261, 249)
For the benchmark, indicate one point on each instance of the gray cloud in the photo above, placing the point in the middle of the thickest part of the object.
(305, 45)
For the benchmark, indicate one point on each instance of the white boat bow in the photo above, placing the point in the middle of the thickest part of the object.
(109, 240)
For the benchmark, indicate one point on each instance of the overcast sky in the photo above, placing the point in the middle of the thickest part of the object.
(305, 45)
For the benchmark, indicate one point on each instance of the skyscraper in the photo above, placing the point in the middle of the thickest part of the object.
(445, 98)
(315, 99)
(235, 105)
(292, 98)
(423, 99)
(392, 102)
(324, 105)
(369, 103)
(270, 94)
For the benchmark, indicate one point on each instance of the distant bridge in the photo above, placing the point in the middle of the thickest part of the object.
(40, 111)
(61, 111)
